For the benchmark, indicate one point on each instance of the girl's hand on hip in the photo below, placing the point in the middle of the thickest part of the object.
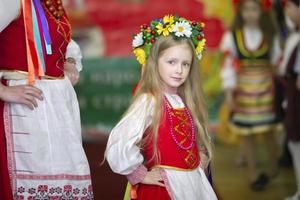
(204, 161)
(21, 94)
(153, 177)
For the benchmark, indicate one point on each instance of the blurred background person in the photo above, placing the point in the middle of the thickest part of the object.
(251, 51)
(290, 68)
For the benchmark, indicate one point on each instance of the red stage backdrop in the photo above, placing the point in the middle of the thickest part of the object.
(119, 19)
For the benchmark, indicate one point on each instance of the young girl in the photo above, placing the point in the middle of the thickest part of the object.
(161, 144)
(251, 50)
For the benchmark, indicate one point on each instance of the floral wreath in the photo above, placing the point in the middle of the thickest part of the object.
(175, 26)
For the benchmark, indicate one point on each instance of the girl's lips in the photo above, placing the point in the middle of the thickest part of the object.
(176, 79)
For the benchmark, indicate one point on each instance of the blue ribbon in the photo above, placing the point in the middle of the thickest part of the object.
(45, 27)
(37, 37)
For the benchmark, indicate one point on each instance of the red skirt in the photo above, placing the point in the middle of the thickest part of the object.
(151, 192)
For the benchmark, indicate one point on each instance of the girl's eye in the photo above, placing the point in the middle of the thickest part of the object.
(186, 64)
(172, 62)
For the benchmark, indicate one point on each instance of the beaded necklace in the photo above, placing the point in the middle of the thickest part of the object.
(56, 8)
(193, 139)
(61, 22)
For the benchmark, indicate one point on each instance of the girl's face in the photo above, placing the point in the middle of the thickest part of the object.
(251, 12)
(292, 11)
(174, 66)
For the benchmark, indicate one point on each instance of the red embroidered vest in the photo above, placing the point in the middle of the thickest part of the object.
(171, 155)
(13, 47)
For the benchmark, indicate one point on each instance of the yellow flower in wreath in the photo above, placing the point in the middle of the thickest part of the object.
(200, 47)
(140, 55)
(167, 27)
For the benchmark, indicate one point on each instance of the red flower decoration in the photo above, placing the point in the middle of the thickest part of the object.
(20, 197)
(54, 198)
(283, 3)
(90, 188)
(67, 188)
(266, 4)
(235, 2)
(199, 38)
(43, 188)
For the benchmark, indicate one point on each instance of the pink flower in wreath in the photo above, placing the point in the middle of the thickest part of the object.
(43, 188)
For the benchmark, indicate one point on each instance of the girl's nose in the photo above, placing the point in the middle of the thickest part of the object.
(179, 68)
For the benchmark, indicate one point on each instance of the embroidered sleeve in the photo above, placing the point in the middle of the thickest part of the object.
(73, 51)
(228, 74)
(122, 151)
(9, 10)
(137, 175)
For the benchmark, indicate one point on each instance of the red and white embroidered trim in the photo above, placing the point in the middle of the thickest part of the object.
(137, 175)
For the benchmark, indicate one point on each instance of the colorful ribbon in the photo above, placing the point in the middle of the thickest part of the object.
(45, 27)
(38, 40)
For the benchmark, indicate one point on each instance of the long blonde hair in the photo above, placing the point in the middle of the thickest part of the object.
(190, 91)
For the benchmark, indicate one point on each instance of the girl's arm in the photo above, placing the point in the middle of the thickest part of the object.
(122, 152)
(9, 11)
(228, 73)
(142, 175)
(276, 52)
(23, 94)
(74, 52)
(73, 62)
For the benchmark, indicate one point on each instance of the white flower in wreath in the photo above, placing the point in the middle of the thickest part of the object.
(182, 29)
(199, 56)
(138, 40)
